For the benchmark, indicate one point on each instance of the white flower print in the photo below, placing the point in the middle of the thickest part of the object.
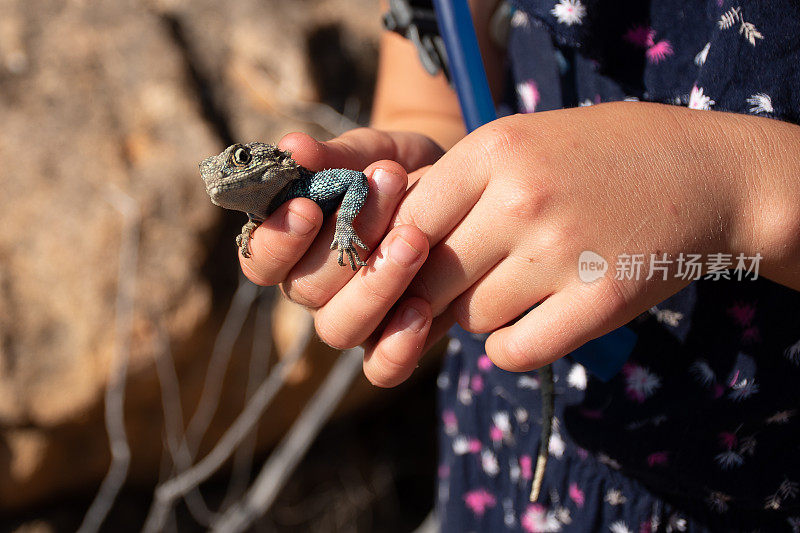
(718, 501)
(509, 515)
(748, 446)
(443, 381)
(728, 460)
(760, 103)
(450, 423)
(585, 103)
(528, 94)
(453, 346)
(747, 29)
(514, 470)
(781, 417)
(464, 394)
(528, 382)
(700, 58)
(562, 515)
(640, 383)
(608, 461)
(703, 372)
(667, 316)
(556, 446)
(615, 497)
(569, 12)
(792, 353)
(577, 377)
(788, 489)
(519, 19)
(750, 32)
(773, 502)
(743, 389)
(460, 445)
(676, 523)
(698, 100)
(539, 520)
(619, 527)
(502, 421)
(489, 463)
(521, 414)
(729, 18)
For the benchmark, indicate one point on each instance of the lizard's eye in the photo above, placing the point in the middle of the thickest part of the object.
(241, 156)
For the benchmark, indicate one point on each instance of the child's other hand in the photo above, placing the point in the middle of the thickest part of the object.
(292, 247)
(509, 210)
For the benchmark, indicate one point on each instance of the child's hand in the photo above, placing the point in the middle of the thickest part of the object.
(292, 247)
(509, 210)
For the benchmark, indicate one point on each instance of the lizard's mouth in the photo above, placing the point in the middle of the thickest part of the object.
(231, 192)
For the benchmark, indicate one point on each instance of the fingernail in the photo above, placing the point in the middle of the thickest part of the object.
(298, 225)
(402, 252)
(387, 183)
(412, 320)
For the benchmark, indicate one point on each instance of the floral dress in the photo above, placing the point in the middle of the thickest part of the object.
(700, 431)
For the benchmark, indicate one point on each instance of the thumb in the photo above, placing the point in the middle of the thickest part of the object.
(358, 148)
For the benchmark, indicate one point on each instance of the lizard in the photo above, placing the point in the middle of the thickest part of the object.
(256, 178)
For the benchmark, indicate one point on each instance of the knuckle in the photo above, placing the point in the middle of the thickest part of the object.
(376, 289)
(331, 334)
(497, 139)
(554, 242)
(254, 276)
(612, 298)
(469, 317)
(279, 257)
(386, 369)
(523, 199)
(511, 355)
(305, 291)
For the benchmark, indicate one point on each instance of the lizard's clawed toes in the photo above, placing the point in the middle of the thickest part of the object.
(346, 241)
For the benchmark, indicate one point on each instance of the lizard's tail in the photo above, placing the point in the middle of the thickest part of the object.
(546, 387)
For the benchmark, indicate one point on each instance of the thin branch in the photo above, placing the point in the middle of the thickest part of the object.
(173, 426)
(257, 372)
(293, 447)
(245, 294)
(115, 390)
(168, 492)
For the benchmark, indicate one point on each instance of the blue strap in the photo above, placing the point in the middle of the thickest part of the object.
(466, 65)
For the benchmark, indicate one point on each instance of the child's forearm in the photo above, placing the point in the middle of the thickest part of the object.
(769, 151)
(407, 98)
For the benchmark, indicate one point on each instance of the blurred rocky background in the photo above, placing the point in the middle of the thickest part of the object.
(105, 110)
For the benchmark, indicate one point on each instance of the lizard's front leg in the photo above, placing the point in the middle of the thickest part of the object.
(328, 184)
(243, 239)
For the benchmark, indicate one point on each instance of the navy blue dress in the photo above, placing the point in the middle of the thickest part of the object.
(700, 431)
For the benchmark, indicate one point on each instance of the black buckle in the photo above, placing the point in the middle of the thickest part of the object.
(417, 23)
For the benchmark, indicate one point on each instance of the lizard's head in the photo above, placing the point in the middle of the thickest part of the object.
(247, 177)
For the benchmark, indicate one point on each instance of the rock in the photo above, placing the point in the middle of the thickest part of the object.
(102, 99)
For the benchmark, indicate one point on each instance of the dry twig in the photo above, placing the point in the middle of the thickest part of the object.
(293, 447)
(115, 390)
